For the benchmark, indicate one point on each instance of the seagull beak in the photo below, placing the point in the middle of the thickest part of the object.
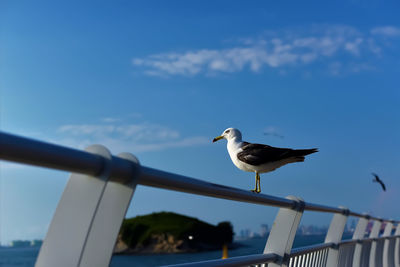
(218, 138)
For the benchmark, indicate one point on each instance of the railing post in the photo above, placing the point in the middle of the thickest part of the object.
(397, 247)
(334, 235)
(359, 234)
(86, 223)
(109, 216)
(386, 245)
(374, 234)
(283, 231)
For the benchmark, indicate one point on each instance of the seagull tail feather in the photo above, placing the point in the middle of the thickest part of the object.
(298, 159)
(304, 152)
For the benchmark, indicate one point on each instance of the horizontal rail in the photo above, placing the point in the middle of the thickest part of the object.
(308, 249)
(372, 239)
(161, 179)
(33, 152)
(316, 247)
(265, 258)
(234, 261)
(37, 153)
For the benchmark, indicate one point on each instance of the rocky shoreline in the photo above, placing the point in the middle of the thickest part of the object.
(167, 232)
(166, 244)
(159, 244)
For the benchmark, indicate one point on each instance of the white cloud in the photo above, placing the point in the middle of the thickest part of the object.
(277, 50)
(338, 69)
(110, 119)
(139, 137)
(354, 46)
(87, 129)
(185, 142)
(373, 47)
(389, 31)
(335, 68)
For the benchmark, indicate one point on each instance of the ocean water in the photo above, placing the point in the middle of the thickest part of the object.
(26, 257)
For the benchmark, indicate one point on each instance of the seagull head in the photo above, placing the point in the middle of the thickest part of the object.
(229, 134)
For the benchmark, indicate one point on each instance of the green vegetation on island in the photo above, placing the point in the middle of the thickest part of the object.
(168, 232)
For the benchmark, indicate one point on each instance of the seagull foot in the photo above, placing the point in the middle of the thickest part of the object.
(255, 191)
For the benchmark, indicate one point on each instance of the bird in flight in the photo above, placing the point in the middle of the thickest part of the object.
(377, 180)
(259, 158)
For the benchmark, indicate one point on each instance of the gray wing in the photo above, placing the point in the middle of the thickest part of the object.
(257, 154)
(377, 179)
(382, 184)
(376, 176)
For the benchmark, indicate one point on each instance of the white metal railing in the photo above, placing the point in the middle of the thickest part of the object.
(88, 217)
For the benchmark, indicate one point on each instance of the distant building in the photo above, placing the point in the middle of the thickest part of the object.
(36, 243)
(245, 234)
(264, 230)
(26, 243)
(350, 226)
(20, 243)
(311, 230)
(248, 234)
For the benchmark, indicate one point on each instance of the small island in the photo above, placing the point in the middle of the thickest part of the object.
(168, 232)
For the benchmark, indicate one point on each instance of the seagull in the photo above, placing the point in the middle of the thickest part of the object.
(259, 158)
(379, 181)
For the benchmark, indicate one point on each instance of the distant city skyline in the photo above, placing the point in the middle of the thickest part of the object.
(162, 82)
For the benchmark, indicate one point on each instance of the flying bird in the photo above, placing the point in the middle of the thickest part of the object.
(273, 131)
(274, 134)
(377, 180)
(259, 158)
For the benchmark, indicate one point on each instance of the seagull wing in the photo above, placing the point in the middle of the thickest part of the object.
(377, 179)
(257, 154)
(382, 184)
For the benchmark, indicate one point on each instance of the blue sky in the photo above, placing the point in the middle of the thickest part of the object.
(162, 79)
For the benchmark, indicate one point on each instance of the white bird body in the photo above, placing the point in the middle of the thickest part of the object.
(259, 158)
(234, 147)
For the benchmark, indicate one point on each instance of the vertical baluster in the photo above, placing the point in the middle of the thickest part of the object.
(321, 258)
(66, 237)
(295, 261)
(300, 260)
(326, 255)
(397, 247)
(374, 234)
(109, 216)
(307, 259)
(281, 237)
(359, 234)
(334, 235)
(89, 214)
(312, 263)
(386, 245)
(318, 258)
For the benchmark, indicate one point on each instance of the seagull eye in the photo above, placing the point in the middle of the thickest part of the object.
(227, 131)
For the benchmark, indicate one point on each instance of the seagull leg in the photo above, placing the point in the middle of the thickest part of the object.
(255, 190)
